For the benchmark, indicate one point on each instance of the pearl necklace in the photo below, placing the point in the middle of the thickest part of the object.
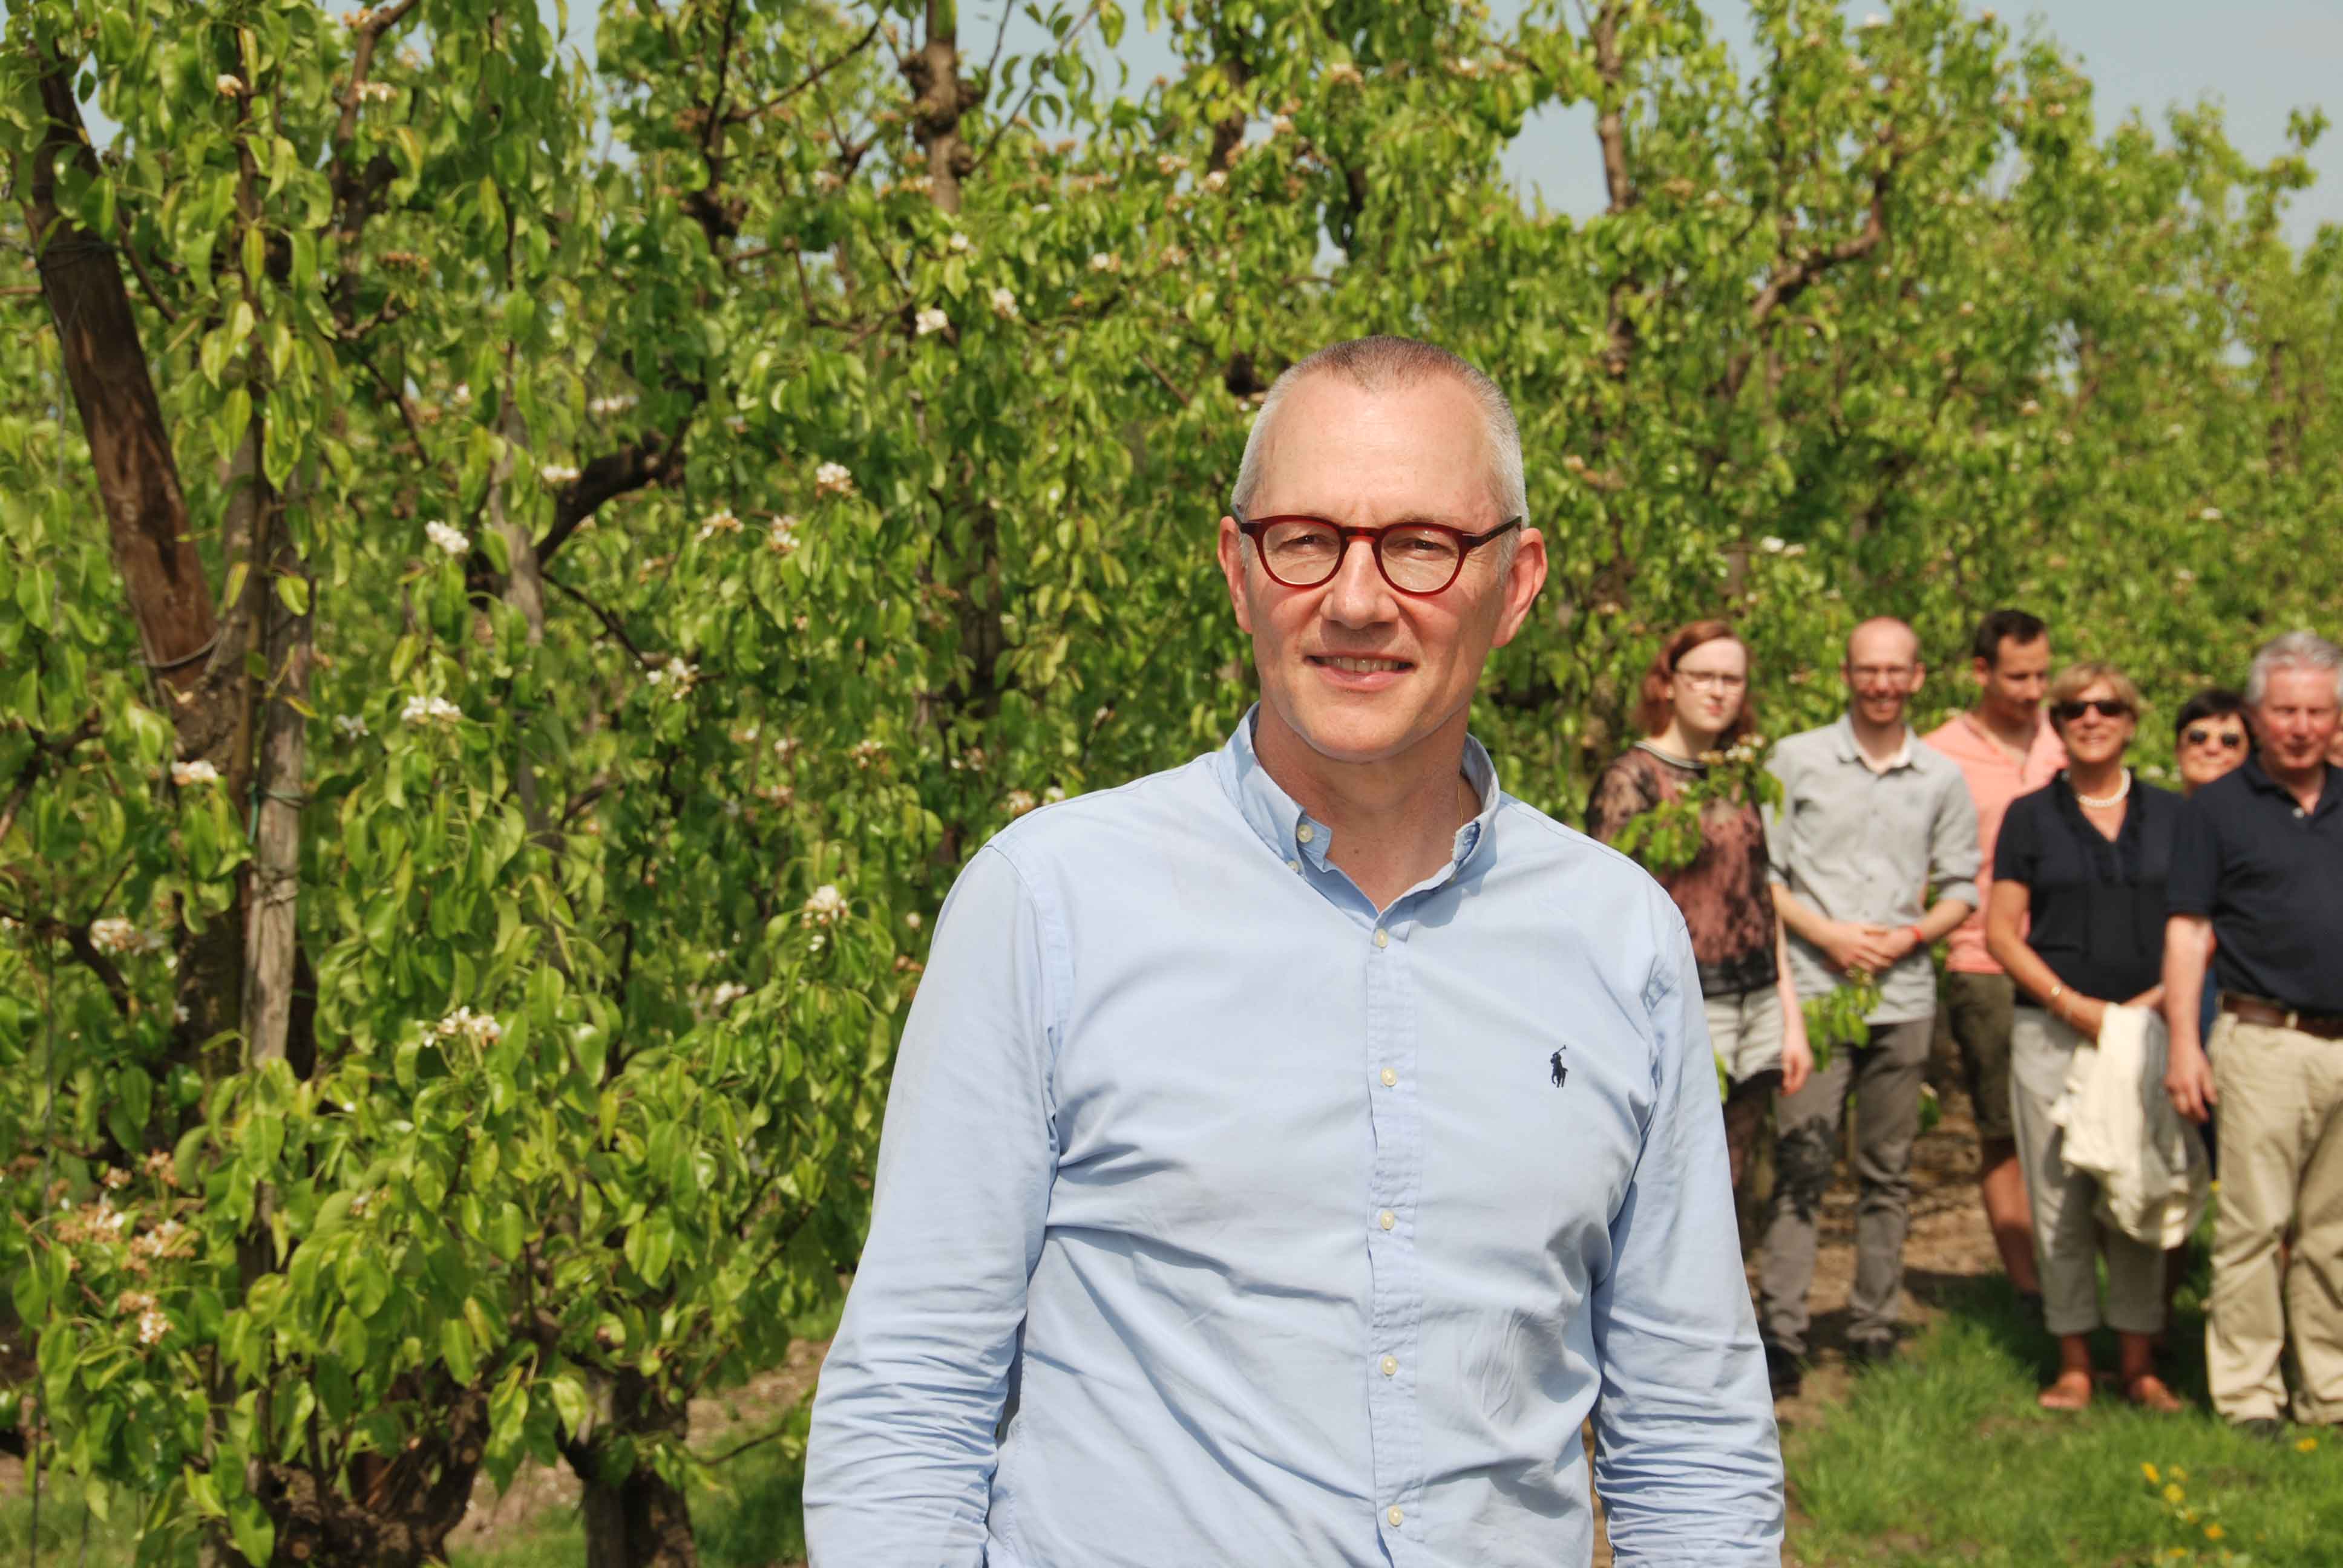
(2101, 803)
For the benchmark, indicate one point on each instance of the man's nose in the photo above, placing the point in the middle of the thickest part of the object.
(1357, 594)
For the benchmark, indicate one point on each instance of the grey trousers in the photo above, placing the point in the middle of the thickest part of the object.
(2067, 1235)
(1885, 1077)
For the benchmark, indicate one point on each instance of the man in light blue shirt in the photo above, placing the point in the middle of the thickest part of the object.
(1288, 1152)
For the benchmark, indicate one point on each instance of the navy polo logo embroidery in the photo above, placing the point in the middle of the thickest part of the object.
(1561, 1074)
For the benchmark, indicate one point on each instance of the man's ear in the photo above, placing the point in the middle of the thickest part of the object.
(1525, 578)
(1232, 548)
(1919, 674)
(1981, 669)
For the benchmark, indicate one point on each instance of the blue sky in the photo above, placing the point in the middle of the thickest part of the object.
(2257, 59)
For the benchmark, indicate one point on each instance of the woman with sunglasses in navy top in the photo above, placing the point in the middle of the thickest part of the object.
(2076, 917)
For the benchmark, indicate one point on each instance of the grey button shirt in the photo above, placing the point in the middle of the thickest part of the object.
(1858, 845)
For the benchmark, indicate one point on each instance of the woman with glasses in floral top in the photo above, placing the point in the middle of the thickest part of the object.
(1695, 709)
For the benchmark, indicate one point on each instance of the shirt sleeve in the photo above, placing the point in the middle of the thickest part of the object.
(2019, 846)
(1777, 825)
(1955, 852)
(899, 1460)
(1686, 1458)
(2196, 876)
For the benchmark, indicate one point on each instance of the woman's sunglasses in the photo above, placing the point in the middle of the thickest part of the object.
(2198, 735)
(2105, 707)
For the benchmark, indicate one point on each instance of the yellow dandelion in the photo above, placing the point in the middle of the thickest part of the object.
(2178, 1473)
(2172, 1493)
(2306, 1445)
(2213, 1532)
(2149, 1471)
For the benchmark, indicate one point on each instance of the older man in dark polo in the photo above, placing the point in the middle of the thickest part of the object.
(2259, 864)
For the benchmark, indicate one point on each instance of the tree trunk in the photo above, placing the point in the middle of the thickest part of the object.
(635, 1518)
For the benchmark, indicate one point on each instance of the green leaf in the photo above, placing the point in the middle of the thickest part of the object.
(293, 590)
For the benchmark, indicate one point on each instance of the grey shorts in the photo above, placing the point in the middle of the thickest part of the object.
(1744, 1030)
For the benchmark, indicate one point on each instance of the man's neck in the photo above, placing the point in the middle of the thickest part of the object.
(1879, 743)
(2013, 732)
(2304, 784)
(1393, 822)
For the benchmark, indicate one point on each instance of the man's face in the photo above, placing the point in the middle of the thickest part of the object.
(1882, 671)
(2014, 682)
(1356, 670)
(2296, 719)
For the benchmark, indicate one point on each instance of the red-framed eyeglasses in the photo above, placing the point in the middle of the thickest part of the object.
(1419, 560)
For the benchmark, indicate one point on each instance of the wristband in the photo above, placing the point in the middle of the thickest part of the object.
(1919, 938)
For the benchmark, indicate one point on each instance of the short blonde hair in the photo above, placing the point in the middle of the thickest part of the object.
(2078, 679)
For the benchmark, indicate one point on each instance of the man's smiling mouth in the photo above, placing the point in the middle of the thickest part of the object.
(1359, 666)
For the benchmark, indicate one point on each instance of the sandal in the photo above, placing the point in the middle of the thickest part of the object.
(2148, 1392)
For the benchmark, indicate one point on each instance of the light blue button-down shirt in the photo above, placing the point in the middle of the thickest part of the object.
(1223, 1219)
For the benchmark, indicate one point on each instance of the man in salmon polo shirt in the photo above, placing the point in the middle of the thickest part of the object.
(2005, 748)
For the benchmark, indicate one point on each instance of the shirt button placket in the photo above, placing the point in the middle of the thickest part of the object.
(1395, 1308)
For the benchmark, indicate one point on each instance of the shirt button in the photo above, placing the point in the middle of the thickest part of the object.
(1306, 832)
(1391, 1369)
(1386, 1219)
(1390, 1079)
(1382, 938)
(1293, 865)
(1394, 1516)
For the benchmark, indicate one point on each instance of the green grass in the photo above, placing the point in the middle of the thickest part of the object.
(1944, 1458)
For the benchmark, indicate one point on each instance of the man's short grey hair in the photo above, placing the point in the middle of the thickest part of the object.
(1385, 363)
(2294, 651)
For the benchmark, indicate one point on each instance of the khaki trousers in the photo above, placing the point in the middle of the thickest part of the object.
(2281, 1123)
(2068, 1236)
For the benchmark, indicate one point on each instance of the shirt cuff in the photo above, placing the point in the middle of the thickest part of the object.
(1967, 892)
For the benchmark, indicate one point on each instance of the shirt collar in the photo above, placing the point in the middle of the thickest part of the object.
(1281, 823)
(2257, 778)
(1849, 752)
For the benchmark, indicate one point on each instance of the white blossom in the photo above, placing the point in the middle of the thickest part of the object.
(1004, 305)
(617, 403)
(958, 243)
(1216, 181)
(1105, 261)
(781, 538)
(1772, 545)
(677, 676)
(911, 920)
(421, 709)
(115, 935)
(197, 772)
(152, 1326)
(1281, 126)
(1791, 552)
(1170, 163)
(725, 995)
(785, 749)
(866, 752)
(1052, 794)
(480, 1027)
(826, 907)
(1464, 67)
(833, 479)
(377, 93)
(228, 85)
(1344, 73)
(719, 521)
(2210, 514)
(557, 473)
(352, 726)
(462, 394)
(930, 319)
(1020, 802)
(826, 180)
(2184, 575)
(451, 541)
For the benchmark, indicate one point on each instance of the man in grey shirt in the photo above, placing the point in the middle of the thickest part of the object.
(1870, 819)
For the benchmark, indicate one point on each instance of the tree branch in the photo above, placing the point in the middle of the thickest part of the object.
(617, 628)
(654, 460)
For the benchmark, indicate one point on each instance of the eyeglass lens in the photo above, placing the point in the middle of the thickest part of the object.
(2105, 707)
(1303, 554)
(2229, 739)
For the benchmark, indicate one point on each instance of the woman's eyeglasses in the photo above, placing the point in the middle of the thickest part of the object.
(2105, 707)
(2201, 735)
